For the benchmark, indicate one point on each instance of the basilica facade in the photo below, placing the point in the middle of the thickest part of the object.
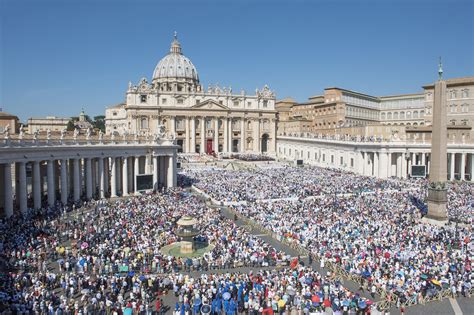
(202, 120)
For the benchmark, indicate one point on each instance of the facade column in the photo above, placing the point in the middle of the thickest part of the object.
(202, 148)
(22, 186)
(216, 135)
(187, 146)
(106, 176)
(173, 125)
(7, 183)
(89, 181)
(64, 186)
(101, 177)
(192, 148)
(410, 163)
(36, 185)
(51, 186)
(463, 166)
(243, 137)
(453, 161)
(125, 176)
(136, 171)
(423, 158)
(257, 136)
(113, 177)
(225, 147)
(77, 182)
(155, 173)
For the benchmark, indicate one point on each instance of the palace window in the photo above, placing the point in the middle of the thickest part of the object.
(453, 94)
(143, 98)
(465, 93)
(180, 101)
(236, 103)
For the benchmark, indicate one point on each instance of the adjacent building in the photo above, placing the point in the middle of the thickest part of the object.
(202, 120)
(8, 121)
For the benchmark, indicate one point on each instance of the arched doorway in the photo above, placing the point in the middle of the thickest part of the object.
(265, 142)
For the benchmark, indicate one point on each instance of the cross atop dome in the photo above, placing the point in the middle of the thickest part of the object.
(175, 45)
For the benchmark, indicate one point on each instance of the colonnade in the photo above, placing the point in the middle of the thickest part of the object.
(38, 182)
(382, 160)
(206, 134)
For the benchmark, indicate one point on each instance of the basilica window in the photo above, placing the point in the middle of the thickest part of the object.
(221, 102)
(236, 103)
(198, 101)
(382, 116)
(249, 104)
(144, 123)
(143, 98)
(453, 94)
(180, 101)
(208, 123)
(265, 103)
(163, 101)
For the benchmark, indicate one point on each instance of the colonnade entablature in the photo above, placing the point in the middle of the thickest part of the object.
(39, 172)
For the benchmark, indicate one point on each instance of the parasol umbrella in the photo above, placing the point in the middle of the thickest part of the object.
(142, 278)
(131, 273)
(84, 245)
(60, 261)
(362, 304)
(166, 281)
(327, 303)
(436, 282)
(281, 303)
(226, 296)
(85, 291)
(205, 309)
(61, 249)
(366, 274)
(345, 303)
(424, 277)
(82, 262)
(315, 298)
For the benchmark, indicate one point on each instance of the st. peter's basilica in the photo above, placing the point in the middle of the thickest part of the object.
(202, 120)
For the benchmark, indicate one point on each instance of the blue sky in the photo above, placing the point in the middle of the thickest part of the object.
(59, 56)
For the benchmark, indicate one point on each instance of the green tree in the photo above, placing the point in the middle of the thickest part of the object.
(70, 124)
(99, 122)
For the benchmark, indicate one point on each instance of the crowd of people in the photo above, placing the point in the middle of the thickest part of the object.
(109, 246)
(377, 236)
(299, 290)
(284, 182)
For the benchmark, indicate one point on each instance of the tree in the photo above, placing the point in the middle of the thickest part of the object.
(99, 122)
(70, 124)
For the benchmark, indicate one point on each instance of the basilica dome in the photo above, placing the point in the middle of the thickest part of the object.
(175, 66)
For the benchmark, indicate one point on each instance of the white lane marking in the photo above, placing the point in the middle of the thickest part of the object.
(455, 306)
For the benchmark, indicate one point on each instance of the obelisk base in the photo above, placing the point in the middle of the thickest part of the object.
(437, 199)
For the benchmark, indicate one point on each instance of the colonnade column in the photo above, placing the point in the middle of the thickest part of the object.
(423, 159)
(101, 178)
(376, 164)
(225, 147)
(51, 186)
(113, 177)
(242, 135)
(216, 135)
(77, 183)
(64, 186)
(399, 165)
(171, 172)
(155, 173)
(463, 166)
(125, 176)
(173, 125)
(404, 165)
(22, 187)
(410, 163)
(89, 182)
(36, 185)
(136, 171)
(192, 148)
(452, 161)
(383, 165)
(7, 182)
(162, 167)
(472, 167)
(389, 163)
(202, 148)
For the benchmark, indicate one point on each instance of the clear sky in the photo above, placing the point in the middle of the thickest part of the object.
(59, 56)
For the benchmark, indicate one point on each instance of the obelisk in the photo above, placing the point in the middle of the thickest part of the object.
(437, 190)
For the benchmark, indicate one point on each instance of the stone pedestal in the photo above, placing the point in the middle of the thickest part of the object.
(186, 247)
(437, 199)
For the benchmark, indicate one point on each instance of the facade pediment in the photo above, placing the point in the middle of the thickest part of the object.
(210, 105)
